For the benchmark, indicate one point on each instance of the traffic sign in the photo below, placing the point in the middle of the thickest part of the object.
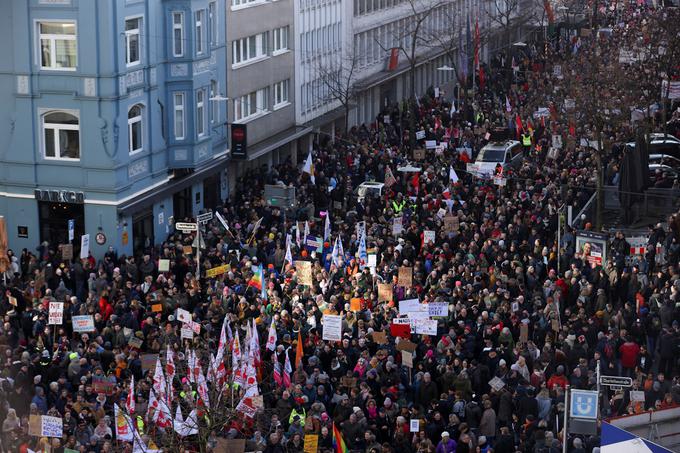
(205, 217)
(618, 381)
(186, 227)
(583, 404)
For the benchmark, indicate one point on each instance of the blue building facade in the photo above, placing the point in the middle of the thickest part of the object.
(106, 119)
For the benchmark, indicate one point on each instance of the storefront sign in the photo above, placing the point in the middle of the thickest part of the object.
(22, 231)
(60, 196)
(100, 238)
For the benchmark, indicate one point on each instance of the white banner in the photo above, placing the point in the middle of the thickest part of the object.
(332, 327)
(84, 323)
(438, 309)
(84, 246)
(56, 316)
(426, 326)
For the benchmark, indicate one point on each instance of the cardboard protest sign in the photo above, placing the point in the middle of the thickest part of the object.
(379, 337)
(426, 326)
(397, 225)
(84, 323)
(157, 308)
(349, 382)
(405, 276)
(523, 333)
(135, 342)
(183, 315)
(34, 425)
(304, 272)
(451, 224)
(414, 426)
(406, 345)
(231, 445)
(66, 251)
(104, 384)
(384, 292)
(187, 250)
(186, 332)
(148, 361)
(56, 314)
(400, 329)
(407, 359)
(332, 327)
(496, 383)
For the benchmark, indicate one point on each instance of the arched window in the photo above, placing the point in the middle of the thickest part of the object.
(61, 135)
(135, 142)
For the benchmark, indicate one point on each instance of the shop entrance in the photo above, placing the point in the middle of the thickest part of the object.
(142, 232)
(211, 192)
(181, 205)
(53, 219)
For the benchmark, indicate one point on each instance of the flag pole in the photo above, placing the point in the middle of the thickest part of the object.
(566, 419)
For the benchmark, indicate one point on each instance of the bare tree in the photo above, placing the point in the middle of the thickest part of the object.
(339, 77)
(410, 41)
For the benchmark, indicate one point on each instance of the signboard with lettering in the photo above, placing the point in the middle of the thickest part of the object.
(84, 323)
(405, 276)
(56, 314)
(60, 196)
(438, 309)
(332, 327)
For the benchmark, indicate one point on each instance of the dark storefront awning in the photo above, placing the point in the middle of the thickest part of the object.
(282, 138)
(146, 199)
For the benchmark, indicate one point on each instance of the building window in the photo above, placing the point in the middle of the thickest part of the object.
(199, 31)
(132, 47)
(178, 34)
(245, 2)
(215, 103)
(61, 135)
(200, 113)
(58, 45)
(250, 48)
(212, 13)
(281, 93)
(135, 128)
(280, 39)
(179, 116)
(251, 105)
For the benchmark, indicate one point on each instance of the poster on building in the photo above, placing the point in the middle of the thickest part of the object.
(332, 327)
(84, 246)
(83, 323)
(592, 246)
(304, 272)
(56, 314)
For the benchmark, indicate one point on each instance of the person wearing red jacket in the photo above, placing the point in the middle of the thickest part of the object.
(558, 379)
(105, 308)
(629, 352)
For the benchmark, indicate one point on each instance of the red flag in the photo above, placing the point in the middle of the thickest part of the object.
(518, 123)
(477, 40)
(299, 352)
(482, 78)
(415, 181)
(572, 129)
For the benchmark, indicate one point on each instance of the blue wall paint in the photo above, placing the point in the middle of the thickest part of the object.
(106, 172)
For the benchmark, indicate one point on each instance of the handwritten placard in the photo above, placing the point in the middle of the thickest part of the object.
(384, 292)
(215, 271)
(84, 323)
(414, 426)
(355, 304)
(428, 236)
(56, 315)
(407, 359)
(304, 272)
(51, 426)
(332, 327)
(135, 342)
(438, 309)
(163, 265)
(311, 443)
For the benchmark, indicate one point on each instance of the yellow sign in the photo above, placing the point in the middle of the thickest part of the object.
(311, 443)
(215, 271)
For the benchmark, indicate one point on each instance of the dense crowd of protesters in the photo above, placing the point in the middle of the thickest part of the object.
(497, 270)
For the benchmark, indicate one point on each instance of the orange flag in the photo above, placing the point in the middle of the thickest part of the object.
(298, 350)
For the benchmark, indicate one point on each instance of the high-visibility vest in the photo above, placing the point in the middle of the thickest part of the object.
(302, 416)
(140, 424)
(398, 207)
(526, 139)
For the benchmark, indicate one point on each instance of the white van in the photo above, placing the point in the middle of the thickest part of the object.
(507, 153)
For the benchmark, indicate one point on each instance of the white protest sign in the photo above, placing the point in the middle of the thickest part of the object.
(413, 309)
(438, 309)
(163, 265)
(56, 316)
(372, 260)
(187, 332)
(183, 315)
(430, 144)
(414, 426)
(84, 323)
(397, 225)
(428, 236)
(51, 426)
(496, 383)
(332, 327)
(84, 246)
(407, 359)
(420, 135)
(426, 326)
(637, 395)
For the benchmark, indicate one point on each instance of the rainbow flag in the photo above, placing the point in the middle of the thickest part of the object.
(338, 444)
(257, 278)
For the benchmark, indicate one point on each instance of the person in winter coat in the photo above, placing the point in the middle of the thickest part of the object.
(427, 392)
(629, 356)
(446, 445)
(487, 425)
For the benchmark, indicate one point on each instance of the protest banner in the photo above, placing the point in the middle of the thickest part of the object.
(183, 315)
(438, 309)
(407, 358)
(83, 323)
(311, 443)
(304, 272)
(405, 276)
(428, 236)
(384, 292)
(332, 327)
(215, 271)
(56, 314)
(426, 326)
